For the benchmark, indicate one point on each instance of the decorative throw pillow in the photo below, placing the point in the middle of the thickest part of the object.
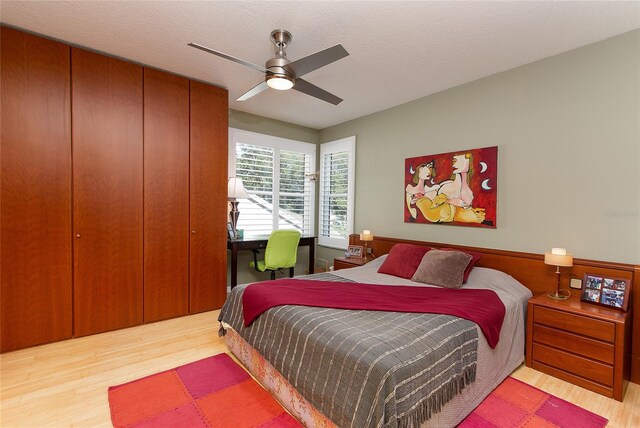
(475, 257)
(403, 260)
(442, 268)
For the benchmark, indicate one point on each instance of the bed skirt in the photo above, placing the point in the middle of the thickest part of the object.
(275, 383)
(489, 376)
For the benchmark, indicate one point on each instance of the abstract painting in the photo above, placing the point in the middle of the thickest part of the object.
(457, 188)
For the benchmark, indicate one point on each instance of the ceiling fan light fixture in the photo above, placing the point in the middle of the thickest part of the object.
(281, 82)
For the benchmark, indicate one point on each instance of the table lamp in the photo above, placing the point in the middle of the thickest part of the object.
(365, 237)
(235, 190)
(558, 257)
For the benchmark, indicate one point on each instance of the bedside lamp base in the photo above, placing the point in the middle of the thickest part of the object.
(558, 296)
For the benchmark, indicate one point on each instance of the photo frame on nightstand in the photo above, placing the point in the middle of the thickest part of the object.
(606, 291)
(355, 251)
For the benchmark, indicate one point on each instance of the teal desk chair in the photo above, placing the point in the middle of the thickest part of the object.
(281, 253)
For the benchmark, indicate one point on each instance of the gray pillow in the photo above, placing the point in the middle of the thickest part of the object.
(442, 268)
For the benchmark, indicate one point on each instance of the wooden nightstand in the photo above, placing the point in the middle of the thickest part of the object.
(348, 262)
(581, 343)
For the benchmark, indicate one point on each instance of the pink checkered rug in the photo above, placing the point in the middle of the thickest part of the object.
(515, 404)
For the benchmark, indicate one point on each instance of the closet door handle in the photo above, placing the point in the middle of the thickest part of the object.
(78, 236)
(193, 232)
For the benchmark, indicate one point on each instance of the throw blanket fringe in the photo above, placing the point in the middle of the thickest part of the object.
(433, 404)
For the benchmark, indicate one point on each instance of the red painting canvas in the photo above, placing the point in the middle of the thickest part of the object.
(457, 188)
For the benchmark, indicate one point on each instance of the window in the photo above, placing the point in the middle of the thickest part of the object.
(276, 173)
(337, 172)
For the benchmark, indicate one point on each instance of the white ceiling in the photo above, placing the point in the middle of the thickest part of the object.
(399, 51)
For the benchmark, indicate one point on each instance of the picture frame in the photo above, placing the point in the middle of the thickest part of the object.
(230, 233)
(355, 251)
(607, 291)
(428, 188)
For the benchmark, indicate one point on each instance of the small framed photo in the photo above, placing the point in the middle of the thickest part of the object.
(606, 291)
(230, 233)
(355, 251)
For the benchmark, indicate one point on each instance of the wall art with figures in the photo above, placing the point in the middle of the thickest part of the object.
(457, 188)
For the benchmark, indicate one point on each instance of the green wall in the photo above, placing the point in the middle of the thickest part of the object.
(568, 131)
(278, 128)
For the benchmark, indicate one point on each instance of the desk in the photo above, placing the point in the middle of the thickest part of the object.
(236, 245)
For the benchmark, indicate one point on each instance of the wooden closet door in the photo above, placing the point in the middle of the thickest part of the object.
(107, 192)
(166, 195)
(208, 189)
(36, 191)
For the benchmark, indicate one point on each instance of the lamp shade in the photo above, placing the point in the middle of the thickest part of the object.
(558, 258)
(366, 235)
(235, 188)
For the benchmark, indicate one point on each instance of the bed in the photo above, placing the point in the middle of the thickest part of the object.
(326, 374)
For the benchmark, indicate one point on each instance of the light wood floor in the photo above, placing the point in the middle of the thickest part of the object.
(65, 384)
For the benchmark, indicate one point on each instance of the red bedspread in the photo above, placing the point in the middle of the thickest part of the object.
(483, 307)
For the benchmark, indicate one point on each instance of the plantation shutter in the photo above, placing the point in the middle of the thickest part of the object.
(295, 192)
(276, 173)
(337, 161)
(254, 164)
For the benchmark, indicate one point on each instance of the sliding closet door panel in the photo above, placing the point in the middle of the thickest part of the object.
(36, 191)
(107, 180)
(166, 195)
(208, 188)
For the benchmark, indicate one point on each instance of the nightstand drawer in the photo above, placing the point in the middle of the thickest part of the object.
(586, 368)
(348, 262)
(337, 265)
(591, 348)
(591, 327)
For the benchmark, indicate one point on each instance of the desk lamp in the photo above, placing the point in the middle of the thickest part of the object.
(235, 190)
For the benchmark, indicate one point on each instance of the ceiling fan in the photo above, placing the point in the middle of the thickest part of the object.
(282, 74)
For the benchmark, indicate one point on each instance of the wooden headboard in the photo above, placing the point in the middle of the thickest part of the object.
(530, 270)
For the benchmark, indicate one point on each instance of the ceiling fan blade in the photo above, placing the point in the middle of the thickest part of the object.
(305, 87)
(254, 91)
(314, 61)
(229, 57)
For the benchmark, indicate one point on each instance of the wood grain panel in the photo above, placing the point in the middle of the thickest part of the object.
(107, 180)
(166, 195)
(597, 329)
(635, 338)
(622, 358)
(527, 268)
(209, 118)
(577, 344)
(36, 191)
(576, 380)
(575, 364)
(346, 263)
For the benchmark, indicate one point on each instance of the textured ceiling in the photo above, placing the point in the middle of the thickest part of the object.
(399, 51)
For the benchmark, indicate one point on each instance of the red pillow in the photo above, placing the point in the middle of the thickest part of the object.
(475, 257)
(403, 260)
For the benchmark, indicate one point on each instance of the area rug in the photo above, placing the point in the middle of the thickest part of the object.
(516, 404)
(214, 392)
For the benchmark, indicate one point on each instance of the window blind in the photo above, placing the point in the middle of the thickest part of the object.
(276, 174)
(337, 160)
(254, 164)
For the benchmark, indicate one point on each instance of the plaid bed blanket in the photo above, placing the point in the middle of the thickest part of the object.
(363, 368)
